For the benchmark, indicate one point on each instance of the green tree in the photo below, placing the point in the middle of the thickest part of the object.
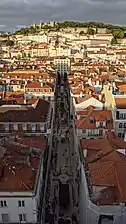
(82, 32)
(110, 28)
(32, 30)
(108, 31)
(118, 34)
(114, 41)
(23, 31)
(46, 27)
(10, 42)
(96, 29)
(90, 31)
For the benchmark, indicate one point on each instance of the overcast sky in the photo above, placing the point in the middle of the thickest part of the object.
(17, 13)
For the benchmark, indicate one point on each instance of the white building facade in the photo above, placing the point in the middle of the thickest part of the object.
(22, 207)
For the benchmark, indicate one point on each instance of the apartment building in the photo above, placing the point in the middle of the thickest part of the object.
(93, 124)
(78, 66)
(81, 103)
(21, 180)
(32, 37)
(104, 36)
(39, 52)
(120, 116)
(40, 89)
(102, 187)
(62, 64)
(63, 51)
(18, 79)
(25, 116)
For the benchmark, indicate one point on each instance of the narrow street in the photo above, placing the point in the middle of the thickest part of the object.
(60, 202)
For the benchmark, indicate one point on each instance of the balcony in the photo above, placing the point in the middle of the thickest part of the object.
(4, 132)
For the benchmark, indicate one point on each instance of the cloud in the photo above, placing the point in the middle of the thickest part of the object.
(2, 26)
(20, 26)
(13, 12)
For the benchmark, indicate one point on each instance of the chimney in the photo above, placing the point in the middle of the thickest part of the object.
(100, 97)
(25, 101)
(3, 95)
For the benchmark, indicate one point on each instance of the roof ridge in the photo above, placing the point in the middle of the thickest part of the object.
(85, 118)
(113, 143)
(105, 154)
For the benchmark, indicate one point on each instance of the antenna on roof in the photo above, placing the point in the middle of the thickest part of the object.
(25, 185)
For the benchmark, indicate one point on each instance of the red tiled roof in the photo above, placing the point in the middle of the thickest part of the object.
(102, 174)
(25, 114)
(120, 103)
(17, 173)
(33, 85)
(32, 142)
(99, 116)
(107, 168)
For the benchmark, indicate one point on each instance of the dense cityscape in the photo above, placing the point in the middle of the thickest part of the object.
(63, 124)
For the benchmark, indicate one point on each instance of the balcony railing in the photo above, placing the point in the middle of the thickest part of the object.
(22, 131)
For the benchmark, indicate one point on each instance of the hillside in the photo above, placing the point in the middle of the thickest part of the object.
(34, 29)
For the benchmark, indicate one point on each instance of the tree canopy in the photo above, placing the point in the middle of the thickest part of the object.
(114, 41)
(118, 34)
(90, 31)
(72, 24)
(89, 25)
(10, 42)
(82, 32)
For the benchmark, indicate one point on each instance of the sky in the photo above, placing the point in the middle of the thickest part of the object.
(15, 14)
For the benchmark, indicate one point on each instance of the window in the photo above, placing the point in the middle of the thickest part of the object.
(5, 218)
(3, 204)
(83, 131)
(124, 125)
(105, 219)
(120, 125)
(117, 115)
(100, 132)
(33, 127)
(24, 126)
(15, 126)
(22, 217)
(6, 127)
(119, 135)
(21, 203)
(91, 120)
(101, 124)
(42, 127)
(121, 116)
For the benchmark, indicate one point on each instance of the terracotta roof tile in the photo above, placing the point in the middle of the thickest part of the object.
(99, 116)
(107, 168)
(25, 114)
(120, 103)
(17, 174)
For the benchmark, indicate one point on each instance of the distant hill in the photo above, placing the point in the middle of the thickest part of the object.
(72, 24)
